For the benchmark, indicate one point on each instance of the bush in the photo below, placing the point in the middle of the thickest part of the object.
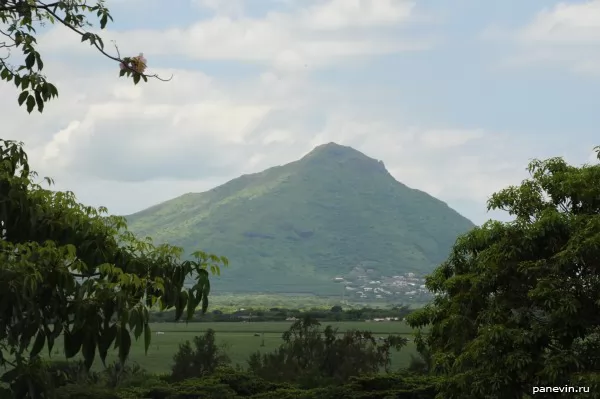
(227, 383)
(202, 360)
(202, 388)
(400, 385)
(76, 391)
(244, 383)
(71, 372)
(163, 392)
(377, 387)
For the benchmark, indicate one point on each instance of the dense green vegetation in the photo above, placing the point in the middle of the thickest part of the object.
(228, 383)
(293, 228)
(519, 302)
(71, 272)
(309, 361)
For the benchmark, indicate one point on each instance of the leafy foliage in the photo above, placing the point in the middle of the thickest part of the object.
(228, 383)
(293, 228)
(20, 19)
(421, 363)
(73, 272)
(203, 359)
(518, 303)
(314, 357)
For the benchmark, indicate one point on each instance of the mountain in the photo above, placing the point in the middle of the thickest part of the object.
(293, 228)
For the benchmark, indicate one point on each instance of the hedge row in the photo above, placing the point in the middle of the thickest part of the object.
(233, 384)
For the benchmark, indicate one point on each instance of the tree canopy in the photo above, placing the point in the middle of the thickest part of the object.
(18, 22)
(73, 271)
(518, 303)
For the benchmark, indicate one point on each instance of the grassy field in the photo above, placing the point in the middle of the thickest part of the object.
(240, 341)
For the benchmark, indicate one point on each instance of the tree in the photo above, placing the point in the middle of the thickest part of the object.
(202, 360)
(336, 309)
(314, 357)
(72, 270)
(518, 304)
(21, 17)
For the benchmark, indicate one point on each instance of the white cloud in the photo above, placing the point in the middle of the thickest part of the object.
(229, 7)
(566, 35)
(572, 23)
(341, 14)
(449, 138)
(317, 35)
(593, 158)
(452, 164)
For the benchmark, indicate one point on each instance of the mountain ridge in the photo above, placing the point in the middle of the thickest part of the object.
(302, 223)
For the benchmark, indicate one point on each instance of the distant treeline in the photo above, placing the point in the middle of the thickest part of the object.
(336, 313)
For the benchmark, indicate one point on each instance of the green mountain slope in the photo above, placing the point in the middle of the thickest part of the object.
(292, 228)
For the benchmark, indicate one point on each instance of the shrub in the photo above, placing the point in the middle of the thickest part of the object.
(202, 360)
(163, 392)
(244, 383)
(77, 391)
(202, 388)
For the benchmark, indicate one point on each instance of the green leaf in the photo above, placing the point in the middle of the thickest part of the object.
(182, 299)
(52, 336)
(89, 350)
(30, 61)
(87, 36)
(40, 101)
(139, 326)
(147, 337)
(206, 288)
(23, 97)
(72, 342)
(136, 78)
(134, 318)
(10, 375)
(51, 90)
(30, 103)
(105, 339)
(124, 317)
(191, 306)
(38, 344)
(124, 344)
(38, 60)
(204, 303)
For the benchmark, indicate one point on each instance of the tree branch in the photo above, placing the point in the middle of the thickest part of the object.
(23, 4)
(98, 47)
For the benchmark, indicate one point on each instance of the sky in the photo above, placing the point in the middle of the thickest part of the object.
(455, 97)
